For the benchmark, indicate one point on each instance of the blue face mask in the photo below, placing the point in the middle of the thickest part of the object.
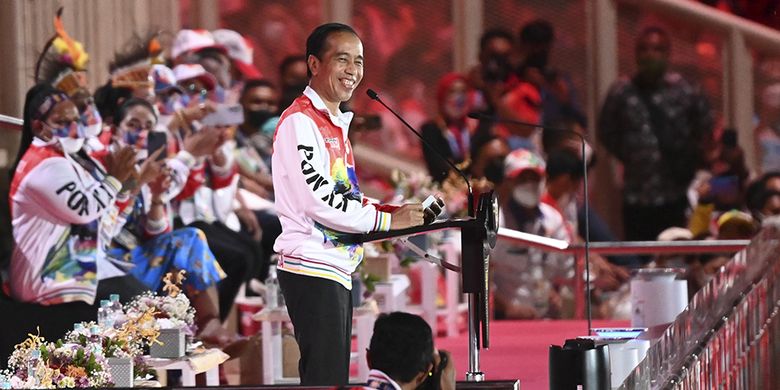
(92, 121)
(130, 137)
(62, 135)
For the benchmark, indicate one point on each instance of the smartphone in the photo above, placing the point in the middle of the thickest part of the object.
(155, 141)
(724, 186)
(225, 115)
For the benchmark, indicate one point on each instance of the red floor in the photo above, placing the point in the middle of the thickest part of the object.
(519, 349)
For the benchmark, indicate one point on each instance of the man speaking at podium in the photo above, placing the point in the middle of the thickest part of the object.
(318, 200)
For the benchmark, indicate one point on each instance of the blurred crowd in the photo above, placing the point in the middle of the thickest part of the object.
(682, 177)
(167, 166)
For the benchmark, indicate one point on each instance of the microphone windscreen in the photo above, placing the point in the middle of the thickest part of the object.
(372, 94)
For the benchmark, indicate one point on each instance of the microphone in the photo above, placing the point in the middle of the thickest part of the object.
(497, 119)
(373, 95)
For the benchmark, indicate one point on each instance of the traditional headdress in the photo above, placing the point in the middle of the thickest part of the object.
(132, 67)
(63, 61)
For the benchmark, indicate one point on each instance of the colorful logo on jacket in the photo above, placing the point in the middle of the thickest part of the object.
(345, 183)
(74, 256)
(345, 179)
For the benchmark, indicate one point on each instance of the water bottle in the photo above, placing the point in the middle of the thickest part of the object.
(117, 311)
(105, 314)
(272, 292)
(78, 327)
(32, 365)
(95, 340)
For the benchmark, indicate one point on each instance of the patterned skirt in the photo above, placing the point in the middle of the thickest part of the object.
(182, 249)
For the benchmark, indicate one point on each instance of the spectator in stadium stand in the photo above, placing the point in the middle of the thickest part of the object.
(260, 100)
(240, 67)
(559, 97)
(767, 133)
(450, 131)
(657, 125)
(293, 79)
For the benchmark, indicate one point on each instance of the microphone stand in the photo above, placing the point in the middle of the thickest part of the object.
(478, 237)
(586, 200)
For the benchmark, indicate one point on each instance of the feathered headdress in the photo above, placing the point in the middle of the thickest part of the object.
(131, 67)
(63, 60)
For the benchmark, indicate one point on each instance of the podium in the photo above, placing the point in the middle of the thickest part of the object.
(478, 237)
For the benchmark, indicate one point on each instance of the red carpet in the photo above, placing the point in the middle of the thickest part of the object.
(519, 349)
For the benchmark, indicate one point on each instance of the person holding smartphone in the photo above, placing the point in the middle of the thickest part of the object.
(141, 224)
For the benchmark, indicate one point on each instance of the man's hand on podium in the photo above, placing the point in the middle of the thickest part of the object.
(406, 216)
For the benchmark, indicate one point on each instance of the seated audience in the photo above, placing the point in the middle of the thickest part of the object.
(57, 204)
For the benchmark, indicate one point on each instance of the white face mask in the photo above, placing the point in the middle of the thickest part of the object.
(70, 145)
(527, 194)
(772, 220)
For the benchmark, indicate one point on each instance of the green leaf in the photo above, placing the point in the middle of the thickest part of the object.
(370, 281)
(407, 261)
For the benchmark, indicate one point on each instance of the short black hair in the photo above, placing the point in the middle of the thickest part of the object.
(492, 34)
(563, 162)
(289, 60)
(538, 31)
(256, 83)
(402, 346)
(649, 30)
(124, 109)
(315, 43)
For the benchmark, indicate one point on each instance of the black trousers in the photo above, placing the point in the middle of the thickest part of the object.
(644, 223)
(321, 312)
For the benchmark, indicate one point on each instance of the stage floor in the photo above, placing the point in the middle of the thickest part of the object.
(519, 349)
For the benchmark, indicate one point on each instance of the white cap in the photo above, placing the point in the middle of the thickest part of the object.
(191, 40)
(236, 45)
(184, 72)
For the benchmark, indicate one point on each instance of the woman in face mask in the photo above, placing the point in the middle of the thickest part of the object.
(143, 234)
(450, 131)
(58, 197)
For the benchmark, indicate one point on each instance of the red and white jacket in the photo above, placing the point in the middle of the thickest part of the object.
(56, 206)
(317, 194)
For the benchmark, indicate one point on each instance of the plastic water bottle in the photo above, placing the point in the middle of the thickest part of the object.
(95, 340)
(117, 311)
(272, 292)
(105, 314)
(32, 365)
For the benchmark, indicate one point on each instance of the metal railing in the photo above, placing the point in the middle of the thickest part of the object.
(727, 336)
(615, 248)
(9, 122)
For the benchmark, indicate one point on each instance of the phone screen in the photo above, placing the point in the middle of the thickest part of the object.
(157, 140)
(724, 186)
(225, 115)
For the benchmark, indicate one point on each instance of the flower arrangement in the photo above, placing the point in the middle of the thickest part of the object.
(126, 342)
(168, 311)
(36, 363)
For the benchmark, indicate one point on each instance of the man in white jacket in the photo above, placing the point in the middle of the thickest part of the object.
(318, 200)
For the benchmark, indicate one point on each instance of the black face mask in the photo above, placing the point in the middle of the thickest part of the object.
(257, 118)
(537, 60)
(494, 171)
